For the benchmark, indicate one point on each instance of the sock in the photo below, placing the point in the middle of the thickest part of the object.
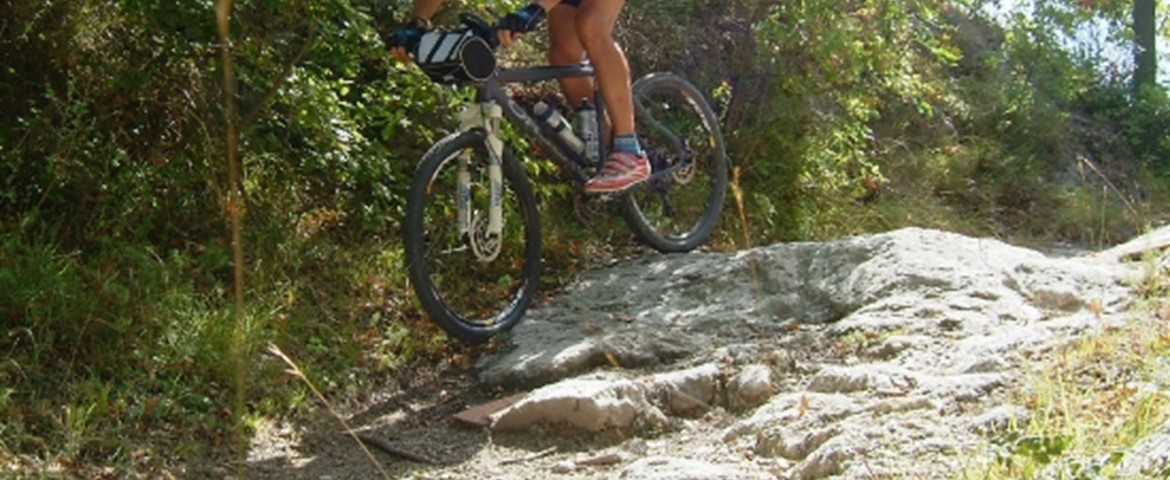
(627, 144)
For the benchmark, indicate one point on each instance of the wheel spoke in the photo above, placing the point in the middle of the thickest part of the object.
(472, 284)
(677, 210)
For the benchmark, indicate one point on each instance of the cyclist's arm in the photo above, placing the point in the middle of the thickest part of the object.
(521, 17)
(420, 21)
(425, 9)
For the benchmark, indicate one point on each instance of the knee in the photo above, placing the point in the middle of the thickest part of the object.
(594, 31)
(564, 56)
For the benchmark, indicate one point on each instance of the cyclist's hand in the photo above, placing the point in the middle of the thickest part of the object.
(405, 40)
(517, 23)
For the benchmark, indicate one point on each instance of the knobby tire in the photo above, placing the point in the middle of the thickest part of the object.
(470, 299)
(648, 210)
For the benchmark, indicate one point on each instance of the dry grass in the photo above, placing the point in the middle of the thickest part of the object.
(296, 372)
(1090, 402)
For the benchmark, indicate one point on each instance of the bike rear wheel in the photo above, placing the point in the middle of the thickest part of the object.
(472, 284)
(677, 212)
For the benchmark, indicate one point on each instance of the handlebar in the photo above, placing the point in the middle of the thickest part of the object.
(481, 28)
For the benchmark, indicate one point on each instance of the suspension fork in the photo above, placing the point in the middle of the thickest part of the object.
(484, 115)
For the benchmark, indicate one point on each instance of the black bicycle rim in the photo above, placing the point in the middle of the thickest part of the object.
(677, 212)
(465, 284)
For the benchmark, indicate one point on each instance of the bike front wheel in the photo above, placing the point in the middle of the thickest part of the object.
(472, 282)
(677, 211)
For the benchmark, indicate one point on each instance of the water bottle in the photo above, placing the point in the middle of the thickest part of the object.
(559, 125)
(587, 123)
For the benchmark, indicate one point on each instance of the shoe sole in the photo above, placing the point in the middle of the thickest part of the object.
(598, 191)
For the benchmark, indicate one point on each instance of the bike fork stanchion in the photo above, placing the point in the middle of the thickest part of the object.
(468, 119)
(493, 114)
(484, 242)
(463, 201)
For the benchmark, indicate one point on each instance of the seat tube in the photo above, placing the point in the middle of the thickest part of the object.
(604, 126)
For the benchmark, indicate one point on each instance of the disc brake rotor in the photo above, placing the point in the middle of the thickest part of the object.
(686, 174)
(485, 245)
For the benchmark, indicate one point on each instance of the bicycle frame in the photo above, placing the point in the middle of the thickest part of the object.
(490, 100)
(485, 115)
(492, 90)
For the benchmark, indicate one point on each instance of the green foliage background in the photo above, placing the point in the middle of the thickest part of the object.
(842, 118)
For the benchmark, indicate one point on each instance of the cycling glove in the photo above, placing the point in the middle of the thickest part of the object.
(407, 37)
(524, 20)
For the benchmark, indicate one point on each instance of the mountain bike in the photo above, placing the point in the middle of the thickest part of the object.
(472, 224)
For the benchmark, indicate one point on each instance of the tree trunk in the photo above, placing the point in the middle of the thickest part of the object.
(1145, 44)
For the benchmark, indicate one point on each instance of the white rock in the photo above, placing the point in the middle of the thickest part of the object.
(959, 315)
(998, 419)
(564, 466)
(687, 391)
(751, 387)
(1150, 457)
(588, 404)
(870, 377)
(830, 458)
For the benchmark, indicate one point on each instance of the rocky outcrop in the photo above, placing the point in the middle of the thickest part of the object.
(655, 311)
(863, 357)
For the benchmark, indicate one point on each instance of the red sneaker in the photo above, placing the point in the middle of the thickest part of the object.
(621, 171)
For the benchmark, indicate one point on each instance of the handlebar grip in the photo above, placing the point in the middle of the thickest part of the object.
(482, 28)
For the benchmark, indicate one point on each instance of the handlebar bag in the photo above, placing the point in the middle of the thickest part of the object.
(455, 56)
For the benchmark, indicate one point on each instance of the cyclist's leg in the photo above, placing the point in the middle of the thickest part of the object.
(594, 26)
(566, 49)
(627, 164)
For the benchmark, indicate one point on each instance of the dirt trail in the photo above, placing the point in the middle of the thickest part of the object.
(884, 355)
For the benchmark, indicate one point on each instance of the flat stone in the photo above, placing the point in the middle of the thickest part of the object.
(479, 415)
(1154, 242)
(880, 378)
(588, 404)
(751, 387)
(1150, 457)
(687, 391)
(947, 320)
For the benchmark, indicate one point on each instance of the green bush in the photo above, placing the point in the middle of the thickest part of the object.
(115, 260)
(1142, 119)
(95, 334)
